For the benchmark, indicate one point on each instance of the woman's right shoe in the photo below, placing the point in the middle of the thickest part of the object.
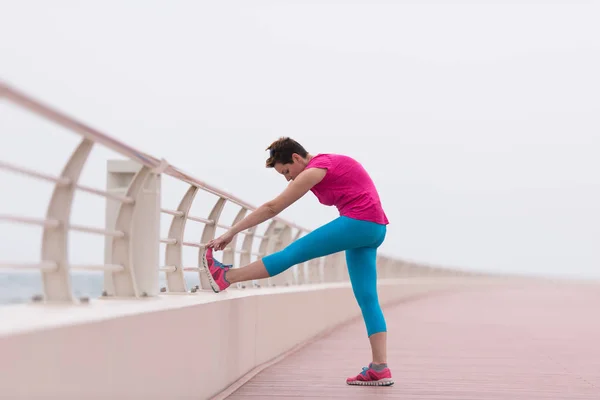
(215, 271)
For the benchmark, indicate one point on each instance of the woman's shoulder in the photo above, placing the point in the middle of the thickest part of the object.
(331, 159)
(329, 156)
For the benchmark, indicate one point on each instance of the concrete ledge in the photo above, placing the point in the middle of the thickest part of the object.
(173, 346)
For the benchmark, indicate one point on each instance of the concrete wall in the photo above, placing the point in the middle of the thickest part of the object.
(176, 347)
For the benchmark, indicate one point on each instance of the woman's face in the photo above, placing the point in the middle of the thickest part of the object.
(292, 170)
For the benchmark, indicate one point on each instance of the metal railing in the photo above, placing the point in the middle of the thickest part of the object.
(128, 273)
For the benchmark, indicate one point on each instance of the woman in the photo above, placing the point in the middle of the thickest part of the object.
(361, 228)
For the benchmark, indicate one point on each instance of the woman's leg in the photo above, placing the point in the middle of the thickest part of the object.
(255, 270)
(362, 269)
(338, 235)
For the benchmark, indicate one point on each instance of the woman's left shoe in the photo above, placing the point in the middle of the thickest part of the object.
(370, 377)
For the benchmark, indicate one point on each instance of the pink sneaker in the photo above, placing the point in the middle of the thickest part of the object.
(215, 271)
(370, 377)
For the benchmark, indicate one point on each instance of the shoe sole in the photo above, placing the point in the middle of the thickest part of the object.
(211, 280)
(381, 382)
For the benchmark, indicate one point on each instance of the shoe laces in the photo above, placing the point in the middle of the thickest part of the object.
(216, 263)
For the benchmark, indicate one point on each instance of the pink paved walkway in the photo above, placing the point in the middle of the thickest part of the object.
(534, 342)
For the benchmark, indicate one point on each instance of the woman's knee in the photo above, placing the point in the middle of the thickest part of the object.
(276, 263)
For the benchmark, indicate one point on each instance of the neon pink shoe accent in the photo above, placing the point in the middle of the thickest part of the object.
(215, 272)
(370, 377)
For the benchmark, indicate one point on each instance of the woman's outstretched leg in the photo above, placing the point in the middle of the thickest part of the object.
(254, 270)
(340, 234)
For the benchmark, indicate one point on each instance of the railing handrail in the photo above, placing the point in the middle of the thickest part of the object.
(122, 148)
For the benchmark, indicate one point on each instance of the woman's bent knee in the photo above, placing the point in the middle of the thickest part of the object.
(278, 262)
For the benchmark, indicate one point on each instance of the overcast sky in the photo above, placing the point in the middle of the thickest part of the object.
(479, 123)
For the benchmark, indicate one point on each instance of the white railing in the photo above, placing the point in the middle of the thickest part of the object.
(132, 241)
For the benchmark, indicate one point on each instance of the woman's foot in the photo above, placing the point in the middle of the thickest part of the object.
(215, 271)
(374, 375)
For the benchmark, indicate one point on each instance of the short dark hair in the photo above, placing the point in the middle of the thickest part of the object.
(282, 150)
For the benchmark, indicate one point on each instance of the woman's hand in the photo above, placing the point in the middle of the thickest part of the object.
(221, 242)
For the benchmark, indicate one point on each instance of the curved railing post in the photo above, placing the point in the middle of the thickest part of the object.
(208, 233)
(57, 283)
(246, 253)
(174, 251)
(138, 250)
(283, 238)
(266, 246)
(229, 251)
(139, 219)
(298, 270)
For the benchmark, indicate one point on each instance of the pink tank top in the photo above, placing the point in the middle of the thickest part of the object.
(349, 187)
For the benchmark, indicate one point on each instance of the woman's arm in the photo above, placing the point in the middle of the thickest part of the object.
(295, 190)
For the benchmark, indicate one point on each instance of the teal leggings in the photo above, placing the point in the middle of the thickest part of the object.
(360, 240)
